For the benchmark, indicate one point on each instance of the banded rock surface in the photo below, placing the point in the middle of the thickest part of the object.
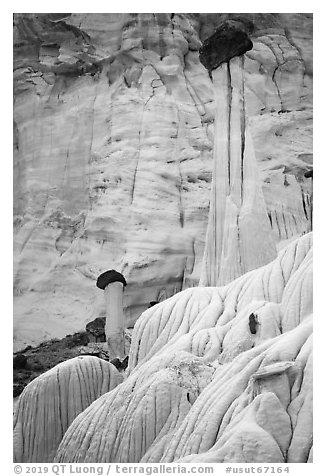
(50, 403)
(203, 387)
(215, 320)
(113, 135)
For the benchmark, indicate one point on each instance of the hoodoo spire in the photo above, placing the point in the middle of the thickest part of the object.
(239, 236)
(113, 284)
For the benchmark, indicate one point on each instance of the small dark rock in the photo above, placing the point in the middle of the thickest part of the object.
(253, 323)
(153, 303)
(20, 361)
(309, 174)
(96, 330)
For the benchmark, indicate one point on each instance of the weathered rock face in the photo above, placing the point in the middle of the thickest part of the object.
(113, 137)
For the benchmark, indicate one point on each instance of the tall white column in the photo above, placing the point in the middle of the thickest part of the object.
(239, 236)
(115, 321)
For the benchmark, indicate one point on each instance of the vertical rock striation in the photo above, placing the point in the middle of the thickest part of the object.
(50, 403)
(113, 136)
(239, 236)
(270, 292)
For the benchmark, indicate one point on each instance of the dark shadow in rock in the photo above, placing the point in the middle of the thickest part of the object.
(120, 365)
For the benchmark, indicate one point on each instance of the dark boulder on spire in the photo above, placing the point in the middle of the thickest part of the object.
(108, 277)
(229, 40)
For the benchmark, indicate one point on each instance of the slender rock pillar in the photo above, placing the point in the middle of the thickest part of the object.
(113, 284)
(239, 236)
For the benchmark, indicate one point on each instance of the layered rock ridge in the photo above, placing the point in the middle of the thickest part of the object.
(217, 375)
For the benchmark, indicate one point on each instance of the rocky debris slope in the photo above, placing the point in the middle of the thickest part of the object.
(113, 135)
(215, 376)
(31, 362)
(50, 403)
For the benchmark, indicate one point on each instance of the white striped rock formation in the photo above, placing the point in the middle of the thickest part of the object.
(239, 234)
(113, 155)
(50, 403)
(215, 320)
(216, 375)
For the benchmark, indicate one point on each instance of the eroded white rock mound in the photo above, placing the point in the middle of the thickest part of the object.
(216, 375)
(215, 320)
(50, 403)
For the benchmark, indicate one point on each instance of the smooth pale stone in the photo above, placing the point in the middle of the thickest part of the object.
(220, 186)
(259, 433)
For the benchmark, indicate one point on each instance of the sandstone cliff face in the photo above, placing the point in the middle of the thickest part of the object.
(113, 146)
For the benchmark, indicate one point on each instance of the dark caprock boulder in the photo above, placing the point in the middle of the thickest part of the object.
(229, 40)
(108, 277)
